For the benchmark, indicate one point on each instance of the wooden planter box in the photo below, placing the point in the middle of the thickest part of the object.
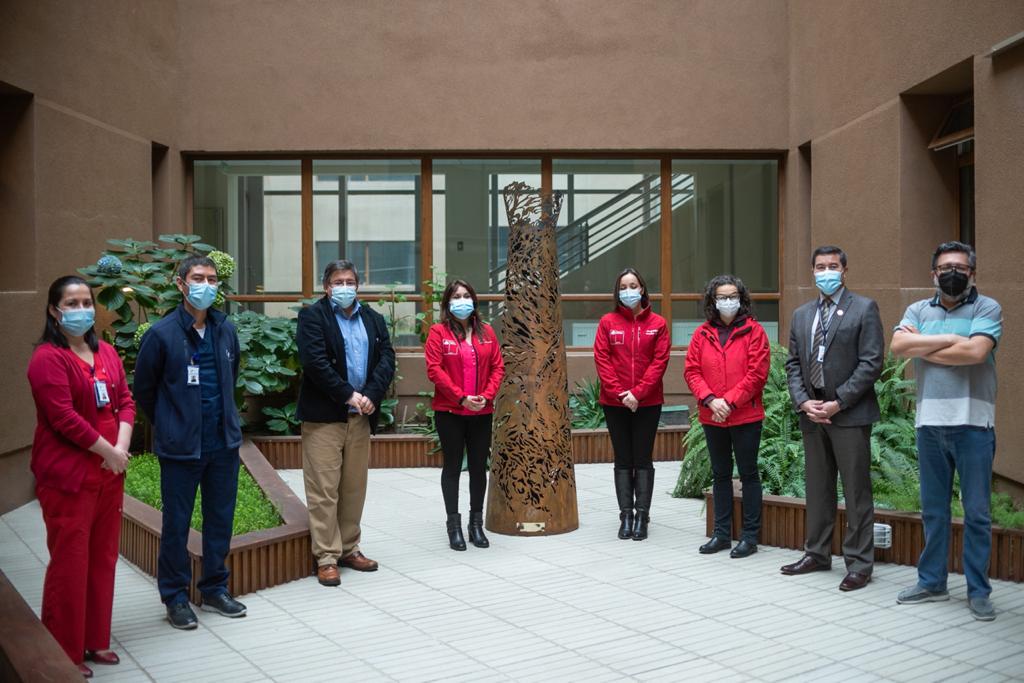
(259, 559)
(783, 519)
(413, 450)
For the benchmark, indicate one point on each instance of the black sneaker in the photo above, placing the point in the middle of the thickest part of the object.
(181, 616)
(223, 604)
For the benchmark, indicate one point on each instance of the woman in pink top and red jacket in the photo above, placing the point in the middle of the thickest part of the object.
(464, 363)
(631, 352)
(726, 369)
(84, 415)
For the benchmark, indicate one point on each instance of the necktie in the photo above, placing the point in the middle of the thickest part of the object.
(820, 332)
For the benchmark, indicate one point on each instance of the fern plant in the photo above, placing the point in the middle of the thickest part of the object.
(781, 454)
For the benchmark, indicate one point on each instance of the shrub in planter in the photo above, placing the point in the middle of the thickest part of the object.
(585, 405)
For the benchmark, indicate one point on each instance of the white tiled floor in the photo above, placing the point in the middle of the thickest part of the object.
(579, 606)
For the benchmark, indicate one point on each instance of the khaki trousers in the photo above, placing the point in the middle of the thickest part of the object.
(335, 458)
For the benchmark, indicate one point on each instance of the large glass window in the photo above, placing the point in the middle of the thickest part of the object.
(369, 213)
(687, 316)
(253, 210)
(725, 219)
(610, 219)
(470, 225)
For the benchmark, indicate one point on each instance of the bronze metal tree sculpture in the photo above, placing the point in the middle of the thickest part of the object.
(532, 485)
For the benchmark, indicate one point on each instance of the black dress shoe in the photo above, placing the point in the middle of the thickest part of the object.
(102, 657)
(716, 544)
(854, 580)
(742, 549)
(456, 541)
(805, 565)
(181, 616)
(223, 604)
(476, 530)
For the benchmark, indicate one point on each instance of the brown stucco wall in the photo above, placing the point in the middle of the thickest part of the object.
(109, 78)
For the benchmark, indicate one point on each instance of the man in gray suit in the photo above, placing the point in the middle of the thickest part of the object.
(836, 348)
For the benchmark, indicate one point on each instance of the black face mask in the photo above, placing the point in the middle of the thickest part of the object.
(953, 283)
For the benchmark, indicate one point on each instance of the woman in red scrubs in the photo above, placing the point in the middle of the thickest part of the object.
(84, 417)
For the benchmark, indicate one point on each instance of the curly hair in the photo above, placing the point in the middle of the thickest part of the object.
(710, 310)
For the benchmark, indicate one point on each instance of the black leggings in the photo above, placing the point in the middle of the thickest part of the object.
(743, 440)
(632, 435)
(469, 434)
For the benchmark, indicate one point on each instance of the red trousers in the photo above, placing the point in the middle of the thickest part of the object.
(82, 534)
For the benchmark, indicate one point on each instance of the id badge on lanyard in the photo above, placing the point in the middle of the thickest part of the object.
(99, 389)
(193, 371)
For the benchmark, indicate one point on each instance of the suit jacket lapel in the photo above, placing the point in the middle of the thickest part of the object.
(370, 333)
(333, 333)
(838, 316)
(805, 336)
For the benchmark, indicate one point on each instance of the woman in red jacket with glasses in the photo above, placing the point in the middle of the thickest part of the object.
(631, 352)
(726, 369)
(464, 363)
(84, 417)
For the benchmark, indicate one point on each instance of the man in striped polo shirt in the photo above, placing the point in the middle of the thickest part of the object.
(952, 338)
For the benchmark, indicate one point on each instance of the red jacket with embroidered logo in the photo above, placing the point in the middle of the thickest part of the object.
(736, 373)
(631, 354)
(444, 368)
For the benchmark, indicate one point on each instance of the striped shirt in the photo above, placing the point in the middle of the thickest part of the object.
(961, 394)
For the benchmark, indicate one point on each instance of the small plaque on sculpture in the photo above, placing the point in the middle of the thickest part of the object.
(533, 485)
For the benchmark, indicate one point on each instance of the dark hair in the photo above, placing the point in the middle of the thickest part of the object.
(710, 310)
(339, 264)
(453, 323)
(960, 247)
(645, 298)
(52, 333)
(828, 249)
(190, 262)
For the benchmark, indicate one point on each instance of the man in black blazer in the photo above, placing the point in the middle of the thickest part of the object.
(347, 366)
(836, 348)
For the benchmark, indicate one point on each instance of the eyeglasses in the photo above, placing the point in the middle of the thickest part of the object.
(950, 267)
(734, 297)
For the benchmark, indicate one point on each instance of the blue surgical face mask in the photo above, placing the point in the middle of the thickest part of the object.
(77, 321)
(630, 297)
(201, 295)
(461, 308)
(828, 281)
(343, 295)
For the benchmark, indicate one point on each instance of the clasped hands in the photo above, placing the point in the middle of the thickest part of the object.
(629, 400)
(116, 458)
(820, 412)
(474, 403)
(362, 404)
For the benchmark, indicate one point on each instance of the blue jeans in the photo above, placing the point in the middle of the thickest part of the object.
(969, 451)
(217, 473)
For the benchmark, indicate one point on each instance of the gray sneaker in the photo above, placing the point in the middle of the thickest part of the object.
(917, 594)
(981, 609)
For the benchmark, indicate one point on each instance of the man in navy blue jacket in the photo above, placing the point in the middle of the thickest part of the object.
(184, 381)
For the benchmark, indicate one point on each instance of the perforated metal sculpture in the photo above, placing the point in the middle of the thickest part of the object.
(532, 485)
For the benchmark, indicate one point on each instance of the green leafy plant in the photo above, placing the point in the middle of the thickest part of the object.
(428, 427)
(269, 359)
(283, 420)
(134, 279)
(585, 405)
(253, 510)
(781, 453)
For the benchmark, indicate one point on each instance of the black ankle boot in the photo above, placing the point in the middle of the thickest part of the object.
(476, 530)
(624, 494)
(644, 490)
(455, 538)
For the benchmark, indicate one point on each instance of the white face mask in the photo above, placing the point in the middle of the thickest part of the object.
(727, 307)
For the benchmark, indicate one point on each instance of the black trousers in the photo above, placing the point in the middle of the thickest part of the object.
(469, 435)
(743, 441)
(632, 435)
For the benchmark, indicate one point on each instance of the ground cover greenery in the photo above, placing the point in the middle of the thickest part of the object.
(253, 511)
(894, 468)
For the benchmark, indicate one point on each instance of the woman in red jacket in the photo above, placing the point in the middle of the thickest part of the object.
(84, 417)
(631, 352)
(464, 363)
(726, 369)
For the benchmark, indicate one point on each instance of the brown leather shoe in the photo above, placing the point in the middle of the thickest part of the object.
(854, 580)
(102, 657)
(85, 671)
(359, 562)
(805, 565)
(327, 575)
